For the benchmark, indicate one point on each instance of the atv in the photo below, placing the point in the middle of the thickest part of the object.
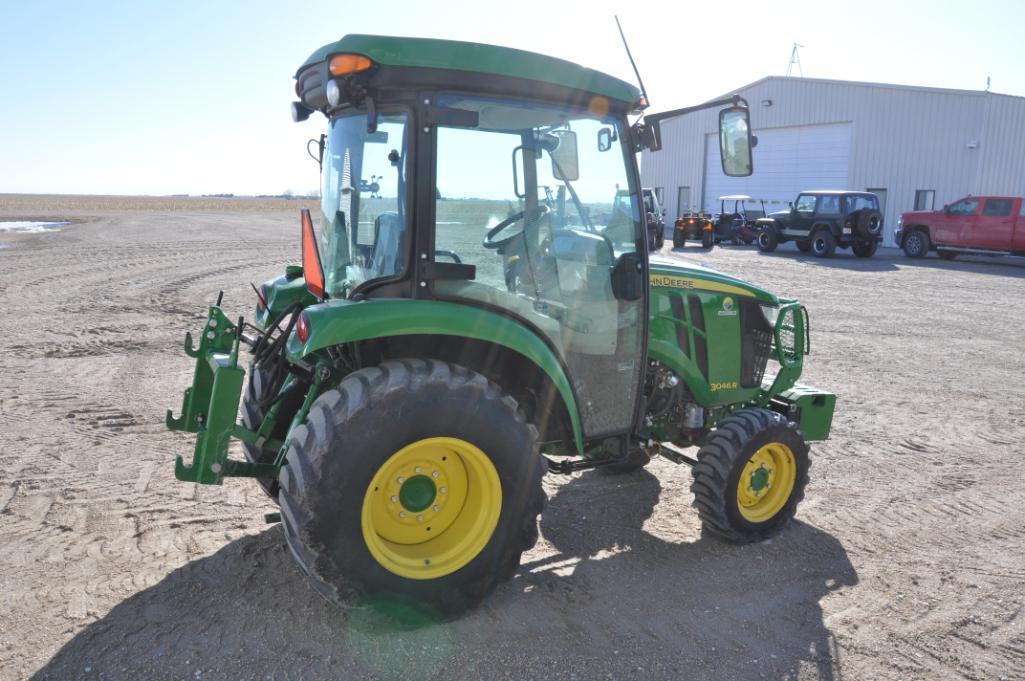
(432, 358)
(693, 226)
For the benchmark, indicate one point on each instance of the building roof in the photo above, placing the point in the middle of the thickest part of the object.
(480, 58)
(858, 83)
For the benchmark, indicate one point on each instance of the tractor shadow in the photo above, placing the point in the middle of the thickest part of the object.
(613, 601)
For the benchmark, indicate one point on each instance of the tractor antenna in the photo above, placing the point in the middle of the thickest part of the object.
(644, 93)
(795, 59)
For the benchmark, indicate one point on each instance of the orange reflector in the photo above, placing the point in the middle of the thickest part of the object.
(312, 269)
(344, 64)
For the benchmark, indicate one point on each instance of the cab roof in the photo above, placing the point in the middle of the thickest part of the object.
(478, 58)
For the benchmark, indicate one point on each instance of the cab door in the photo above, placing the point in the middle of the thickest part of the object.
(994, 227)
(954, 226)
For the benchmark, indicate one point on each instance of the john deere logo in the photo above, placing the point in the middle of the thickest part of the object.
(727, 307)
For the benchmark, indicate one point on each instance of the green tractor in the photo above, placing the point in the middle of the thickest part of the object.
(471, 313)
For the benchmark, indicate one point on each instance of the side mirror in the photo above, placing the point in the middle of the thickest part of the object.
(606, 136)
(735, 142)
(564, 157)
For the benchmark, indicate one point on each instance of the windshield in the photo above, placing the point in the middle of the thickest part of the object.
(363, 221)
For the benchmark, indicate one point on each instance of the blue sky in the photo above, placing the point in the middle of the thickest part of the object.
(192, 97)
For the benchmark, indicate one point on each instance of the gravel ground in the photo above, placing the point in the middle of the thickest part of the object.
(907, 560)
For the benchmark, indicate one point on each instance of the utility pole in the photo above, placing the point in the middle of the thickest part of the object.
(795, 59)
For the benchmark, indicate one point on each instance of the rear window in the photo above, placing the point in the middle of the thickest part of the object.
(998, 207)
(861, 202)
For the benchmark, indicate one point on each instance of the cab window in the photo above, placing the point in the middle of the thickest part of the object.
(965, 207)
(998, 208)
(805, 204)
(829, 205)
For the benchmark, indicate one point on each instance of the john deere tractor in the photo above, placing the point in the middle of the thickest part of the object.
(483, 317)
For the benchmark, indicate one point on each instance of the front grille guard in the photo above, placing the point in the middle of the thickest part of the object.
(791, 342)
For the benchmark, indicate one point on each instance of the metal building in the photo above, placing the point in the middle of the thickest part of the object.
(916, 147)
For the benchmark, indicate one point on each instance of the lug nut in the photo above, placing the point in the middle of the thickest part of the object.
(437, 509)
(418, 469)
(401, 479)
(443, 490)
(394, 498)
(434, 474)
(419, 518)
(402, 514)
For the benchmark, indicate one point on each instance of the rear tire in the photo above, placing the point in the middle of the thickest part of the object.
(707, 240)
(441, 546)
(768, 239)
(749, 453)
(865, 249)
(823, 244)
(916, 244)
(677, 241)
(252, 417)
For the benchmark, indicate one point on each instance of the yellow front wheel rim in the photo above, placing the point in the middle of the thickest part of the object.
(431, 508)
(766, 482)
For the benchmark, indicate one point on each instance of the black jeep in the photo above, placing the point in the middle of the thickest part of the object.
(823, 221)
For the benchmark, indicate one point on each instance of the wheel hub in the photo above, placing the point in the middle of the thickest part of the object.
(766, 482)
(417, 493)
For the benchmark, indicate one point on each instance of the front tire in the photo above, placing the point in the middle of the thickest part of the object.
(768, 239)
(916, 244)
(416, 482)
(707, 240)
(750, 476)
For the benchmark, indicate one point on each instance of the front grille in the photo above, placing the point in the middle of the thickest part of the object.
(755, 343)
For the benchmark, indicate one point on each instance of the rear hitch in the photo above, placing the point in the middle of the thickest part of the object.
(210, 406)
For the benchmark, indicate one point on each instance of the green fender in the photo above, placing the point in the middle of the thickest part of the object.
(344, 321)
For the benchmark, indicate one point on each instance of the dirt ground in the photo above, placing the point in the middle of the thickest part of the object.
(907, 560)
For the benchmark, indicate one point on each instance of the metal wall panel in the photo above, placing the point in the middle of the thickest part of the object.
(903, 139)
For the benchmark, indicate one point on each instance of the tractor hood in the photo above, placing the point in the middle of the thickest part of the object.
(682, 274)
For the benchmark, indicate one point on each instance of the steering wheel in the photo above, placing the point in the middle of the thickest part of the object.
(489, 238)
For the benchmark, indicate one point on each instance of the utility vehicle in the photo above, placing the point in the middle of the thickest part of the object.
(737, 219)
(822, 221)
(654, 214)
(433, 357)
(693, 226)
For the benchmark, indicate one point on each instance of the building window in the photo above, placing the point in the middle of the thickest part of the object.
(682, 200)
(925, 199)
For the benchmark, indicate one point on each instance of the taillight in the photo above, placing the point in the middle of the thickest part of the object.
(302, 328)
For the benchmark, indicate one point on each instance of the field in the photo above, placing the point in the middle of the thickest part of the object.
(907, 560)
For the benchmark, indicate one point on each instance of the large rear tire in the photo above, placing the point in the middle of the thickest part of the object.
(750, 476)
(414, 483)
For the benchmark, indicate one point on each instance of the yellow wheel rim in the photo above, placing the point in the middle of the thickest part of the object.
(431, 508)
(766, 482)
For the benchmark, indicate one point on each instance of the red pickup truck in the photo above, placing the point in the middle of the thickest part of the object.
(982, 225)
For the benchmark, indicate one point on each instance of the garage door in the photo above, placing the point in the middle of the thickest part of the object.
(787, 161)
